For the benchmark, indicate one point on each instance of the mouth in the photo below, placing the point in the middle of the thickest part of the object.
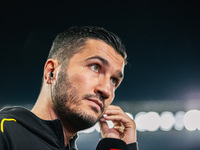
(97, 102)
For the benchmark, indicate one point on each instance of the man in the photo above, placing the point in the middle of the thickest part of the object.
(84, 68)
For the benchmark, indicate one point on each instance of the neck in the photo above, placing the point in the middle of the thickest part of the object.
(44, 109)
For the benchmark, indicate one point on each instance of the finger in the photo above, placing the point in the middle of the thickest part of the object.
(117, 112)
(127, 122)
(103, 124)
(127, 127)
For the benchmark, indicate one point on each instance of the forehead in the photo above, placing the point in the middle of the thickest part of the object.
(99, 48)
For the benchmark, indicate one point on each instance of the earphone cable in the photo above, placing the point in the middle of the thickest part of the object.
(68, 144)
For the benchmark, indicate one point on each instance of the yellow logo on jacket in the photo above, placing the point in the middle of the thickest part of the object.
(6, 119)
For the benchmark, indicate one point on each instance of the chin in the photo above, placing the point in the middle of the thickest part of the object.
(84, 119)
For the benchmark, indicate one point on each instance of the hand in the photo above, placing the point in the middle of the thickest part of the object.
(124, 127)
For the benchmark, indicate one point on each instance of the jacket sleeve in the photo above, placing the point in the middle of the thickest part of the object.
(133, 146)
(112, 143)
(3, 142)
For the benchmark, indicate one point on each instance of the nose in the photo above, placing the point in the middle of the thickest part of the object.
(104, 88)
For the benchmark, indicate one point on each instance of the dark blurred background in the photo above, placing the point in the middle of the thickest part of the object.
(162, 42)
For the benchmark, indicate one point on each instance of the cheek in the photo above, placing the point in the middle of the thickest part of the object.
(81, 81)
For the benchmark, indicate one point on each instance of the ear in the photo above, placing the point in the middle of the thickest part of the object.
(50, 66)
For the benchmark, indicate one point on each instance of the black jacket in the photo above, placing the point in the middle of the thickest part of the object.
(22, 130)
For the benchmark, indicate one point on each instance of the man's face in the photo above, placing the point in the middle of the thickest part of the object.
(87, 86)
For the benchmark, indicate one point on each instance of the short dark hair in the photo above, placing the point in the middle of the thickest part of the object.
(67, 43)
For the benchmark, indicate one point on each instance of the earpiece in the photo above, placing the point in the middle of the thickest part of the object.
(51, 74)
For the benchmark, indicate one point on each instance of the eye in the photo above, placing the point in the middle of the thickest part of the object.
(114, 81)
(95, 67)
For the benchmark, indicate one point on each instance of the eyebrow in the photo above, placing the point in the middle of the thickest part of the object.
(105, 62)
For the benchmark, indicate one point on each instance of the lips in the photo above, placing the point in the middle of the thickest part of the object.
(98, 102)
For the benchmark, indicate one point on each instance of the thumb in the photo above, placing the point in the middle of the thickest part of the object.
(103, 125)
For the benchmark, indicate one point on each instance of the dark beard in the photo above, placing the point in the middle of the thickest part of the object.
(65, 94)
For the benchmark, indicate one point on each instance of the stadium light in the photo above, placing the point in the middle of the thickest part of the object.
(165, 121)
